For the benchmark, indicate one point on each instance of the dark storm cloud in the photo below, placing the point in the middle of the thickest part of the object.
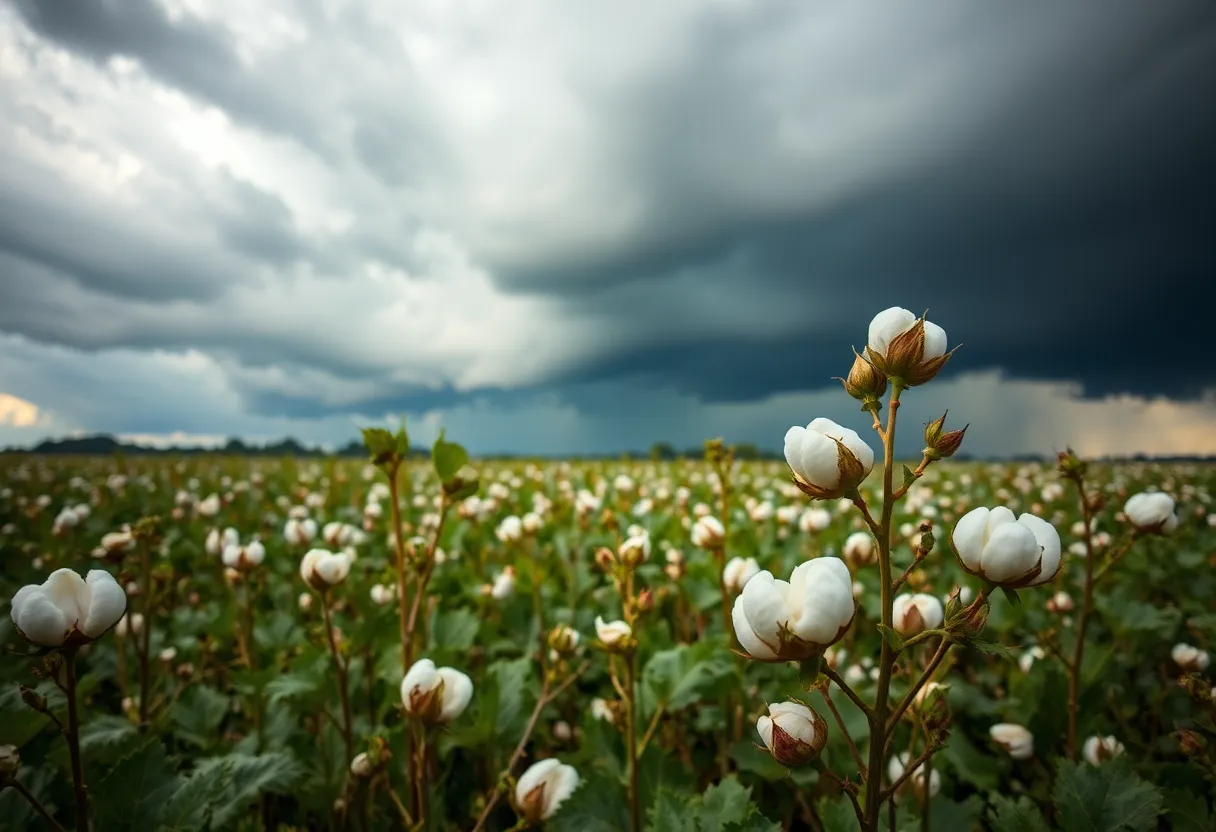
(1056, 217)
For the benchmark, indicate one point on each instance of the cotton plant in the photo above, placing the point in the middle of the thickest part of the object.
(799, 619)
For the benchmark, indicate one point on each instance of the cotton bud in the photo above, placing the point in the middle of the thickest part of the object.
(362, 766)
(244, 558)
(708, 533)
(908, 350)
(382, 594)
(815, 520)
(564, 639)
(616, 636)
(1007, 551)
(635, 549)
(792, 733)
(118, 543)
(67, 610)
(776, 620)
(504, 584)
(738, 572)
(605, 559)
(939, 444)
(435, 695)
(1189, 659)
(865, 382)
(916, 613)
(322, 569)
(300, 532)
(1151, 512)
(510, 530)
(532, 523)
(1060, 602)
(10, 759)
(1097, 750)
(543, 788)
(675, 564)
(1191, 743)
(645, 602)
(1015, 739)
(131, 624)
(828, 461)
(925, 696)
(859, 549)
(915, 784)
(603, 710)
(562, 732)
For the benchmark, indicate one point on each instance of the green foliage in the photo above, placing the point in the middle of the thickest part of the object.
(1106, 798)
(1009, 815)
(724, 807)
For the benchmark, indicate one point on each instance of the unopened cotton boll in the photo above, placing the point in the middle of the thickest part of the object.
(543, 788)
(615, 635)
(601, 710)
(1151, 511)
(300, 531)
(323, 569)
(503, 586)
(510, 529)
(827, 460)
(1005, 550)
(1098, 750)
(814, 520)
(906, 349)
(776, 620)
(737, 572)
(382, 594)
(435, 695)
(1015, 739)
(708, 532)
(859, 548)
(792, 733)
(915, 613)
(244, 558)
(1190, 659)
(67, 610)
(636, 547)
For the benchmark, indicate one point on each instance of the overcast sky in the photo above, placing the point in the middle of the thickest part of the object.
(574, 226)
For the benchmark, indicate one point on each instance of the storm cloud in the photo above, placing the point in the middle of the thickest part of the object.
(615, 224)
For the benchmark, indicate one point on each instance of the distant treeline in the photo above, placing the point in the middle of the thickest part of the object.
(106, 445)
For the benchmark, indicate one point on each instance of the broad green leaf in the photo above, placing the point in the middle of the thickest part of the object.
(598, 805)
(134, 793)
(198, 714)
(1188, 811)
(190, 807)
(1009, 815)
(454, 631)
(1106, 798)
(448, 458)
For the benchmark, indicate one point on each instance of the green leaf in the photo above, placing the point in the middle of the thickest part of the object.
(107, 737)
(1106, 798)
(598, 805)
(682, 675)
(381, 445)
(198, 714)
(134, 793)
(1012, 595)
(726, 802)
(892, 638)
(289, 687)
(455, 630)
(1188, 811)
(511, 679)
(1009, 815)
(724, 807)
(909, 477)
(837, 814)
(247, 776)
(448, 458)
(189, 809)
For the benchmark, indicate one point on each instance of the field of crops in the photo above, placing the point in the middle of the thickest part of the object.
(597, 646)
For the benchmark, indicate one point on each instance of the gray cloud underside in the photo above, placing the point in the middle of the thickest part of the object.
(748, 194)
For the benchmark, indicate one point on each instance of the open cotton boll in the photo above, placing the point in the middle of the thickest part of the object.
(68, 610)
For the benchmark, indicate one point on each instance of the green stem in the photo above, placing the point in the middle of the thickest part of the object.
(878, 717)
(73, 739)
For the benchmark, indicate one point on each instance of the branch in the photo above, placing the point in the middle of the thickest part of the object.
(827, 697)
(1116, 557)
(33, 801)
(910, 697)
(860, 502)
(917, 474)
(848, 691)
(909, 770)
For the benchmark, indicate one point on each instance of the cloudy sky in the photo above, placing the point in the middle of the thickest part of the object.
(572, 226)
